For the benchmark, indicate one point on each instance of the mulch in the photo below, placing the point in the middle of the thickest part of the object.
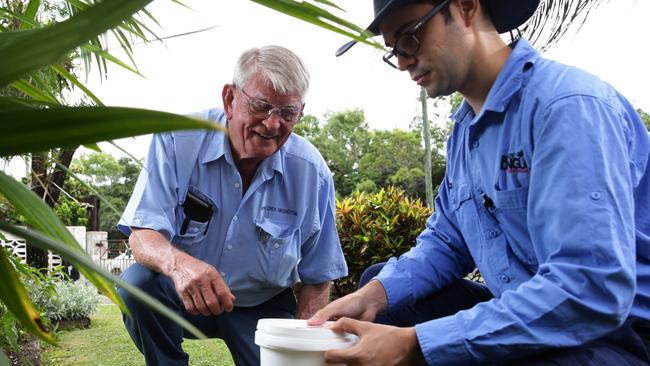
(30, 353)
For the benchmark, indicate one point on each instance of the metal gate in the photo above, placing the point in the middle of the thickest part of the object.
(115, 256)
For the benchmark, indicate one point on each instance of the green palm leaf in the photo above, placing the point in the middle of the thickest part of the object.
(14, 295)
(320, 17)
(23, 51)
(82, 261)
(42, 218)
(28, 129)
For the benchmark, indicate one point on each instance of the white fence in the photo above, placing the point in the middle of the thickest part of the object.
(95, 243)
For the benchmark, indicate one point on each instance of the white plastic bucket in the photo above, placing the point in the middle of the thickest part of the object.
(291, 342)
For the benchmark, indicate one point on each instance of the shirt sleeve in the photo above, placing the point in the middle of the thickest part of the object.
(581, 222)
(322, 257)
(153, 202)
(439, 257)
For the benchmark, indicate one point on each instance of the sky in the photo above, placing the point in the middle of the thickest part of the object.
(186, 74)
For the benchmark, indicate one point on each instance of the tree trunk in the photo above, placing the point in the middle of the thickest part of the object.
(426, 133)
(47, 187)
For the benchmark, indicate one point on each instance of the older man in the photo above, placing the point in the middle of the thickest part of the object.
(546, 191)
(222, 226)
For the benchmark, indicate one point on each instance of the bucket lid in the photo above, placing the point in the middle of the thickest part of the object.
(295, 334)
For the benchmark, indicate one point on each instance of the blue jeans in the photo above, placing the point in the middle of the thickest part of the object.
(626, 346)
(159, 339)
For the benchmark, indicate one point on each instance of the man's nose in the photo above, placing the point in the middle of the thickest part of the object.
(405, 62)
(273, 121)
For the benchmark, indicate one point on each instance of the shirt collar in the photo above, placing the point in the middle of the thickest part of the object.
(217, 141)
(274, 163)
(509, 81)
(219, 146)
(512, 76)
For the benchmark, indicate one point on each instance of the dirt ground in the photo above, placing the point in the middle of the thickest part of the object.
(30, 353)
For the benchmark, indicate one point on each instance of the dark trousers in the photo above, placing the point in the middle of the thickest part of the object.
(159, 339)
(627, 345)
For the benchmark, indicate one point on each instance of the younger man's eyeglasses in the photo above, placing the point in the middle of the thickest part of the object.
(408, 44)
(259, 108)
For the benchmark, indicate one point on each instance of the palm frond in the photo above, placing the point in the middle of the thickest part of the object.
(554, 18)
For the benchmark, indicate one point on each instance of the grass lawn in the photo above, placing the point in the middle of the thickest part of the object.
(106, 343)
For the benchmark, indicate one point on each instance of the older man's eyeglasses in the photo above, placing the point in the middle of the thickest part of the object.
(408, 44)
(259, 108)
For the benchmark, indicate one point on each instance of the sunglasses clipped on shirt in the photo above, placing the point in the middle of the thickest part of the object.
(408, 44)
(259, 108)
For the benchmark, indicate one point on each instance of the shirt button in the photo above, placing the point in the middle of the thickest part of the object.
(504, 278)
(138, 221)
(229, 247)
(235, 218)
(222, 273)
(492, 234)
(595, 196)
(475, 144)
(276, 245)
(237, 185)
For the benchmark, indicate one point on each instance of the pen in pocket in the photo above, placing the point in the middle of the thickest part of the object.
(489, 205)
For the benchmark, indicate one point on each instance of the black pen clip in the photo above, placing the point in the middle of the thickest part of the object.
(489, 206)
(262, 235)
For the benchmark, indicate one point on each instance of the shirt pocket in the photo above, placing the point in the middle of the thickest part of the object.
(458, 196)
(278, 252)
(196, 231)
(464, 212)
(511, 211)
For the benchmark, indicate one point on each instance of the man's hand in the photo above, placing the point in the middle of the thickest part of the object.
(378, 345)
(200, 286)
(363, 304)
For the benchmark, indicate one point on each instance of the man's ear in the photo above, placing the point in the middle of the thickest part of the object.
(228, 96)
(469, 10)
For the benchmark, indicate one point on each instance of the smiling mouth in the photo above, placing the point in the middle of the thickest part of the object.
(266, 137)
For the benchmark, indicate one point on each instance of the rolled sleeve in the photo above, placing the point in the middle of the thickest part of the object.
(443, 347)
(439, 257)
(322, 257)
(153, 202)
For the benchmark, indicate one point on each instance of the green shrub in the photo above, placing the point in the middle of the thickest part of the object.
(71, 301)
(374, 227)
(12, 332)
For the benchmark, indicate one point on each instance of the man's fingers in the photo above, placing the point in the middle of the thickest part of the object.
(225, 297)
(199, 303)
(319, 318)
(211, 301)
(189, 303)
(348, 325)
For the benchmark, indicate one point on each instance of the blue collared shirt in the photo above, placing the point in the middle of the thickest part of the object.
(281, 230)
(564, 246)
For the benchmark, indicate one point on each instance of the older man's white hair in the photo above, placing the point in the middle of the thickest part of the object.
(282, 69)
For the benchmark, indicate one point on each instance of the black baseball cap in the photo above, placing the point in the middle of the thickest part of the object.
(506, 15)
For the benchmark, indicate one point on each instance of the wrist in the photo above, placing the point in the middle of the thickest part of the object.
(413, 349)
(374, 295)
(171, 262)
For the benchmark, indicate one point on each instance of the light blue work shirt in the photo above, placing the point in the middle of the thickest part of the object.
(281, 230)
(564, 245)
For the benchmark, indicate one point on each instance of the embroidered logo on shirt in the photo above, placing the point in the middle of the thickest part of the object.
(285, 211)
(514, 162)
